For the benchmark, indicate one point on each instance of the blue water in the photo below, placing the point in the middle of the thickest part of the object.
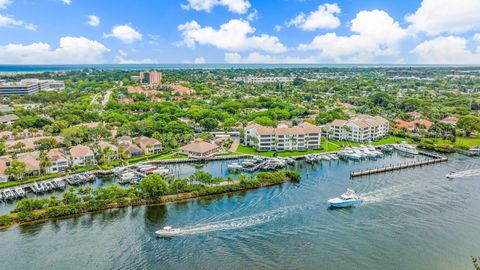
(58, 68)
(412, 219)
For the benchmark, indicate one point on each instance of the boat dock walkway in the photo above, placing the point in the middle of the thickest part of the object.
(435, 159)
(193, 160)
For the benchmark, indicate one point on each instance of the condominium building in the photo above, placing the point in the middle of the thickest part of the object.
(283, 138)
(29, 86)
(151, 77)
(363, 128)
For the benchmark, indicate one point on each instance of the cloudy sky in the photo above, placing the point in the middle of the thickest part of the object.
(239, 31)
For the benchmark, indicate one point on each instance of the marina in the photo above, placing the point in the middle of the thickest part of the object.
(266, 219)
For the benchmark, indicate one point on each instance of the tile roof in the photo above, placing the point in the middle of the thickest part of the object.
(199, 146)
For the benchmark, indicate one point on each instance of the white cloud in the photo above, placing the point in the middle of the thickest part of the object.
(376, 34)
(4, 3)
(476, 37)
(445, 16)
(235, 35)
(278, 28)
(93, 20)
(67, 2)
(235, 6)
(258, 58)
(325, 17)
(72, 50)
(253, 16)
(446, 50)
(199, 60)
(9, 21)
(125, 33)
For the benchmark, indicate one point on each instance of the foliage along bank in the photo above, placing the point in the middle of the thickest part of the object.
(153, 189)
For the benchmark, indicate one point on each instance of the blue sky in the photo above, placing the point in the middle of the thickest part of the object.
(239, 31)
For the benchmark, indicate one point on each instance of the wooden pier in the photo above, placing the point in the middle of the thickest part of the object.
(435, 159)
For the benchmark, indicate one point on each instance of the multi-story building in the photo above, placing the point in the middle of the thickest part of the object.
(29, 86)
(152, 77)
(362, 128)
(283, 138)
(59, 161)
(82, 155)
(148, 145)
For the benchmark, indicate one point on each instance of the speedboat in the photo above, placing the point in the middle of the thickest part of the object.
(347, 199)
(167, 231)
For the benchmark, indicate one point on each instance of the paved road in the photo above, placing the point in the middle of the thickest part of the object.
(106, 97)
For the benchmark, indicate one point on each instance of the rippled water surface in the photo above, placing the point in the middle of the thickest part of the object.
(412, 219)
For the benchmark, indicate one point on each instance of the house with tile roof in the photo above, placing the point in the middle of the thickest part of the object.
(199, 149)
(82, 155)
(59, 161)
(148, 145)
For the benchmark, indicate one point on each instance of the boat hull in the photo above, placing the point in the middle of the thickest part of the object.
(344, 203)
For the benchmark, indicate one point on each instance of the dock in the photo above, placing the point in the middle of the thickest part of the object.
(435, 159)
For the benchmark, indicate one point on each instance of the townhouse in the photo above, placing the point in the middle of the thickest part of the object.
(82, 155)
(148, 145)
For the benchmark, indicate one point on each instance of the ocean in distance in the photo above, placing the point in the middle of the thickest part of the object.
(60, 68)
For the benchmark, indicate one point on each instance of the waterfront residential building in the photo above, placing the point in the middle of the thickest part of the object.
(125, 142)
(32, 162)
(114, 150)
(152, 77)
(149, 145)
(363, 128)
(283, 138)
(199, 149)
(82, 155)
(8, 119)
(59, 161)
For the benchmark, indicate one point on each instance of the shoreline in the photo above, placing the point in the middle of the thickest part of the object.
(129, 202)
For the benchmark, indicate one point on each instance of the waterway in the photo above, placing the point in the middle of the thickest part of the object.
(412, 219)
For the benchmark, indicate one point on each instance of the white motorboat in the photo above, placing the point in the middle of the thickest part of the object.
(168, 231)
(406, 148)
(347, 199)
(234, 166)
(20, 192)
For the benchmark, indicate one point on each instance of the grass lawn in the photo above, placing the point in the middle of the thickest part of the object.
(391, 139)
(327, 146)
(461, 141)
(242, 149)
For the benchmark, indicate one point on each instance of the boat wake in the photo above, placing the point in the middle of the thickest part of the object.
(242, 222)
(389, 193)
(466, 173)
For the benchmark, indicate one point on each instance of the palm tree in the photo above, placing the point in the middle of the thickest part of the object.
(45, 161)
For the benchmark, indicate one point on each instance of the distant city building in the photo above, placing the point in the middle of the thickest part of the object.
(363, 128)
(151, 77)
(29, 86)
(283, 138)
(135, 78)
